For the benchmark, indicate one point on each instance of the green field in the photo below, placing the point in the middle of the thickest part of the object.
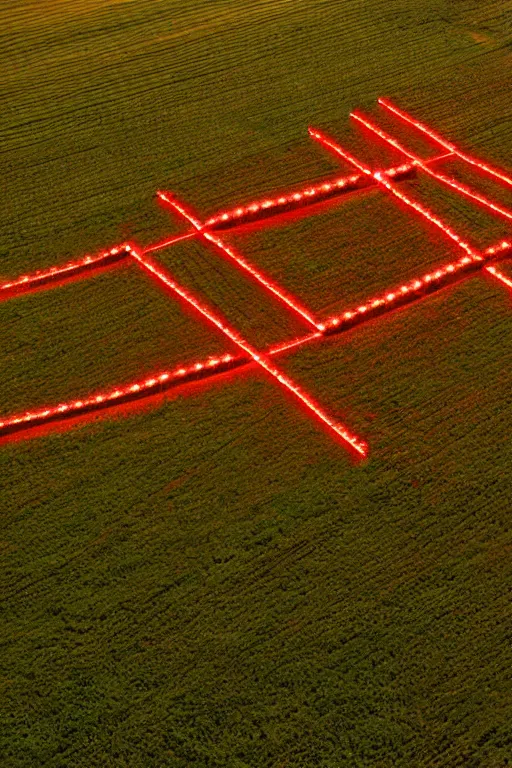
(210, 580)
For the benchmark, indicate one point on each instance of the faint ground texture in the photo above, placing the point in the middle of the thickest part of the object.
(210, 580)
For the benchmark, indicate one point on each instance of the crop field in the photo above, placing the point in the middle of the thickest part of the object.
(204, 576)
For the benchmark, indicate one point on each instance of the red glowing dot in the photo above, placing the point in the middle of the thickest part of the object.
(135, 388)
(224, 217)
(150, 383)
(163, 377)
(267, 204)
(254, 208)
(348, 315)
(326, 187)
(198, 366)
(297, 196)
(78, 404)
(181, 372)
(227, 358)
(390, 296)
(99, 399)
(281, 200)
(362, 309)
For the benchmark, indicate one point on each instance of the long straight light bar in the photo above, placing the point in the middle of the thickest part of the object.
(500, 276)
(162, 381)
(153, 384)
(442, 142)
(472, 254)
(417, 161)
(27, 283)
(267, 208)
(416, 289)
(258, 357)
(305, 196)
(230, 252)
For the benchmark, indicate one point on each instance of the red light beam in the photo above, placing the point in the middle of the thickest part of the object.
(472, 254)
(27, 283)
(443, 143)
(231, 254)
(447, 180)
(259, 358)
(499, 276)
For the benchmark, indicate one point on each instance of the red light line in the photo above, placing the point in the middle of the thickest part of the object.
(472, 255)
(53, 274)
(414, 290)
(258, 357)
(442, 142)
(499, 276)
(170, 241)
(461, 188)
(153, 384)
(306, 196)
(214, 366)
(238, 259)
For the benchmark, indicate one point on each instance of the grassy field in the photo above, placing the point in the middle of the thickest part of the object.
(212, 581)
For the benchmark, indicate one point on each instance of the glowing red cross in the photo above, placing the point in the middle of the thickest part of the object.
(470, 261)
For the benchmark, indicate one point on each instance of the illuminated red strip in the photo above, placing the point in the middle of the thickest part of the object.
(442, 142)
(288, 201)
(54, 274)
(169, 242)
(499, 276)
(258, 357)
(472, 255)
(214, 366)
(153, 384)
(461, 188)
(414, 289)
(310, 195)
(234, 256)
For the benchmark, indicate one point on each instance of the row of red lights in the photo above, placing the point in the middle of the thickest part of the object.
(305, 196)
(472, 254)
(443, 143)
(416, 288)
(214, 366)
(412, 291)
(442, 178)
(258, 357)
(29, 282)
(499, 276)
(233, 255)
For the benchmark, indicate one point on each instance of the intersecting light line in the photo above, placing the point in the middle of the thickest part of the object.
(54, 274)
(152, 384)
(472, 255)
(238, 259)
(415, 289)
(305, 196)
(461, 188)
(500, 276)
(258, 357)
(446, 144)
(214, 366)
(170, 241)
